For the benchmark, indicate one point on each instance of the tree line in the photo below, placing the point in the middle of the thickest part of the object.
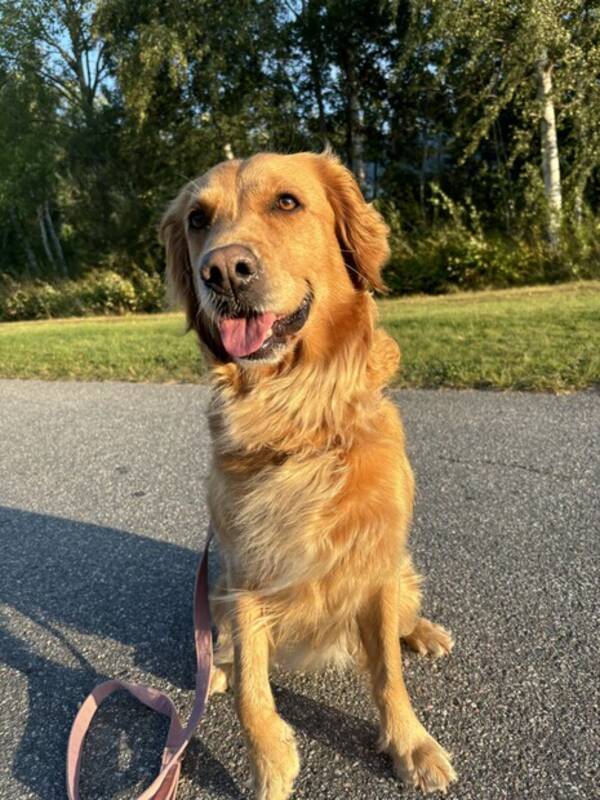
(474, 124)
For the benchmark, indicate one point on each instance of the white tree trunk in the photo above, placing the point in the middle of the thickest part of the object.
(55, 241)
(44, 237)
(358, 164)
(550, 161)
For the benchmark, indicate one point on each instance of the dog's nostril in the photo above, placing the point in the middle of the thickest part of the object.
(215, 277)
(243, 269)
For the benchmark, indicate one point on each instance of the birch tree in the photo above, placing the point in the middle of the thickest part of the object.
(523, 56)
(107, 106)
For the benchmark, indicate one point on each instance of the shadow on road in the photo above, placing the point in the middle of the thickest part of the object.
(63, 579)
(349, 735)
(69, 589)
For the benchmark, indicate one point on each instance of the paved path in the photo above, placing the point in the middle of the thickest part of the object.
(101, 520)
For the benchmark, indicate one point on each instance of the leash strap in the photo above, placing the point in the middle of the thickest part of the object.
(164, 786)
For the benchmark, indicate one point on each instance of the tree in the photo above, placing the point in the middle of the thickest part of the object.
(28, 156)
(524, 59)
(51, 44)
(107, 106)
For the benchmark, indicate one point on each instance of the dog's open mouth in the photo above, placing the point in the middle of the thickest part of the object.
(254, 335)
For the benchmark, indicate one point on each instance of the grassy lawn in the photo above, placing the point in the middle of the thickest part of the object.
(542, 338)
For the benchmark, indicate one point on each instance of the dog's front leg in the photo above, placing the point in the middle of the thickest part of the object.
(270, 740)
(418, 758)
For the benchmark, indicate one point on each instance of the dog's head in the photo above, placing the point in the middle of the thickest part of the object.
(272, 252)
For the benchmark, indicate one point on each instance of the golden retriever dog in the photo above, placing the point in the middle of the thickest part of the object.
(310, 491)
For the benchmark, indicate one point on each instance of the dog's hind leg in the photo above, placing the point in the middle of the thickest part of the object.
(221, 677)
(429, 639)
(420, 634)
(222, 672)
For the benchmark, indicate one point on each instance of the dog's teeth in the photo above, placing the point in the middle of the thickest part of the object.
(269, 333)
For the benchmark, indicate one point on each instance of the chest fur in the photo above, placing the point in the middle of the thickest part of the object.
(308, 516)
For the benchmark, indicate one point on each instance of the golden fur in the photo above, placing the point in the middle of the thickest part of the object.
(310, 490)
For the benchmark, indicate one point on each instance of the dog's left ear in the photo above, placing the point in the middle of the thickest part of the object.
(361, 230)
(180, 285)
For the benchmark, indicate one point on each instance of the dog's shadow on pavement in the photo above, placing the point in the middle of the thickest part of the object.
(69, 588)
(350, 736)
(79, 603)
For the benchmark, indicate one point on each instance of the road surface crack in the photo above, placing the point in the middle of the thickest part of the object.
(505, 465)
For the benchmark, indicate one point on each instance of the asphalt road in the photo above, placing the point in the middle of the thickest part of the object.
(101, 521)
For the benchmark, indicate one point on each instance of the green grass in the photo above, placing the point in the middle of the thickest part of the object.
(543, 338)
(131, 348)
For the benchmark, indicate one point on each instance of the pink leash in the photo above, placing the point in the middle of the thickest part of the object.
(164, 786)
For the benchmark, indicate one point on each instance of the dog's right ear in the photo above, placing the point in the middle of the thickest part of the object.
(180, 280)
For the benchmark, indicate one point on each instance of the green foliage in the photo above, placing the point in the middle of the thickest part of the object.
(103, 292)
(457, 253)
(108, 106)
(149, 291)
(447, 258)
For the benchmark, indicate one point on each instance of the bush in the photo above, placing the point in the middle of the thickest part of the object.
(27, 301)
(458, 254)
(103, 292)
(448, 259)
(149, 291)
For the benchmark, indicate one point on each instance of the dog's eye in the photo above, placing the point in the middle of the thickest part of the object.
(287, 202)
(198, 219)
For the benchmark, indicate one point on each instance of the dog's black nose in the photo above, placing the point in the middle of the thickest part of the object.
(229, 269)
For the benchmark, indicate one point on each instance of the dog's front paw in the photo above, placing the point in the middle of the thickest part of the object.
(276, 764)
(424, 765)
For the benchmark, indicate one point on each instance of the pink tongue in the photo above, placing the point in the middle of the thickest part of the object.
(244, 336)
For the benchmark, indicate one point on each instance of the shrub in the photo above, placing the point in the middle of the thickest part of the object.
(149, 291)
(100, 293)
(447, 259)
(27, 301)
(103, 292)
(458, 254)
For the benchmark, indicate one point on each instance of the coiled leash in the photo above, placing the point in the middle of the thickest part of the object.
(164, 786)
